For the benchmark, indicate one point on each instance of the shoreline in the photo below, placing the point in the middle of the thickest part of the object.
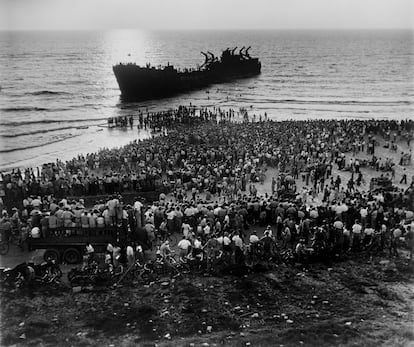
(111, 138)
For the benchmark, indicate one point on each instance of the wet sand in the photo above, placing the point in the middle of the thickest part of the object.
(90, 140)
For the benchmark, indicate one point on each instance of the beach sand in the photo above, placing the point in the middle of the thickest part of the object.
(88, 141)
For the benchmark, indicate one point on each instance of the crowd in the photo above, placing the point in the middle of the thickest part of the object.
(208, 150)
(211, 162)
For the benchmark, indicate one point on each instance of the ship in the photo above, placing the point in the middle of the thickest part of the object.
(149, 82)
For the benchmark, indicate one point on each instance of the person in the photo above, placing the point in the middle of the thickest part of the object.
(197, 251)
(139, 254)
(108, 261)
(84, 220)
(269, 230)
(165, 249)
(116, 257)
(35, 233)
(53, 222)
(6, 227)
(238, 249)
(67, 217)
(395, 241)
(163, 230)
(300, 251)
(130, 256)
(186, 229)
(356, 235)
(184, 246)
(286, 236)
(254, 241)
(150, 231)
(267, 241)
(409, 236)
(90, 251)
(404, 177)
(253, 237)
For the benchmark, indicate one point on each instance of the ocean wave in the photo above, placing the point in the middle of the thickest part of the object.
(47, 92)
(36, 132)
(31, 109)
(50, 121)
(333, 102)
(68, 136)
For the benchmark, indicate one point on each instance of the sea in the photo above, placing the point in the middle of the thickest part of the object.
(57, 89)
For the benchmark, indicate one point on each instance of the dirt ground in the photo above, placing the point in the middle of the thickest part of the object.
(356, 302)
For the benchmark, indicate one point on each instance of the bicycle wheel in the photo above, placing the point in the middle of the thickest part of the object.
(4, 248)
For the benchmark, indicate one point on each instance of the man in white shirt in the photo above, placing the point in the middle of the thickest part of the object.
(253, 238)
(363, 213)
(130, 256)
(184, 245)
(238, 249)
(356, 235)
(138, 212)
(36, 203)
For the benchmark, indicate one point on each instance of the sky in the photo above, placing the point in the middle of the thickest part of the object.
(205, 14)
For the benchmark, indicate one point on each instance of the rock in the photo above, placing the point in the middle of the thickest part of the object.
(205, 344)
(315, 297)
(254, 315)
(330, 269)
(248, 343)
(313, 302)
(242, 334)
(348, 323)
(325, 302)
(237, 308)
(165, 284)
(204, 310)
(21, 324)
(289, 321)
(209, 328)
(22, 336)
(126, 304)
(167, 336)
(77, 289)
(192, 344)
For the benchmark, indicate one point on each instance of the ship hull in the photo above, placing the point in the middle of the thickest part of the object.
(140, 83)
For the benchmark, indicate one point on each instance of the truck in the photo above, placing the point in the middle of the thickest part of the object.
(67, 244)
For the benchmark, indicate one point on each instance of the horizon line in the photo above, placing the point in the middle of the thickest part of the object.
(206, 29)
